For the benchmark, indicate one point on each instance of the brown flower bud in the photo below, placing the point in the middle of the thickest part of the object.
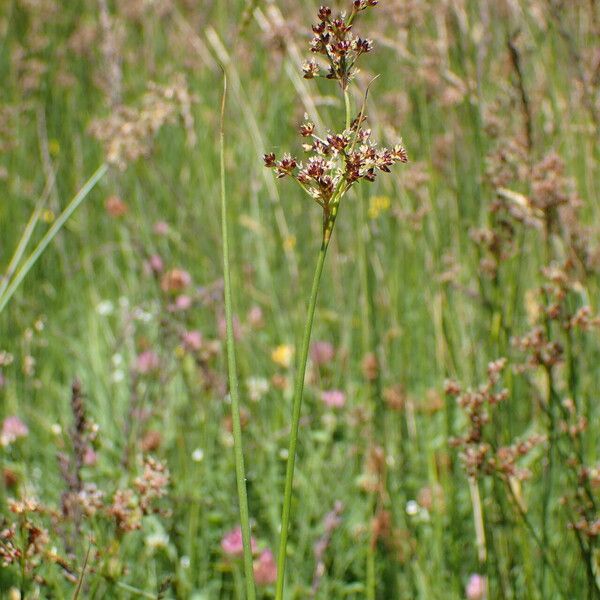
(310, 69)
(324, 13)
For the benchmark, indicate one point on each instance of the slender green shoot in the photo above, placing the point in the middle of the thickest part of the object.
(296, 410)
(232, 368)
(22, 245)
(50, 235)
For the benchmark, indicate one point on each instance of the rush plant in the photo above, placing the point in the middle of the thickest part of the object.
(334, 163)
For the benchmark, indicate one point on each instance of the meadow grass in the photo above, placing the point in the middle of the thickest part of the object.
(412, 296)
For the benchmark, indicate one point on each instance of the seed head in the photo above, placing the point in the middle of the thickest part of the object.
(310, 69)
(307, 129)
(362, 4)
(324, 13)
(286, 166)
(339, 159)
(269, 159)
(363, 45)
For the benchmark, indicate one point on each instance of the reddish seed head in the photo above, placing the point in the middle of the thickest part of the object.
(399, 153)
(310, 69)
(340, 28)
(269, 159)
(286, 165)
(362, 4)
(315, 167)
(304, 177)
(339, 160)
(324, 13)
(307, 129)
(338, 141)
(341, 48)
(364, 45)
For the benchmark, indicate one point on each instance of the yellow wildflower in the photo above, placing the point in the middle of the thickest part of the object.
(289, 243)
(282, 355)
(377, 205)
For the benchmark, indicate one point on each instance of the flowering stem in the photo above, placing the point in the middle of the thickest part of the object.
(232, 368)
(296, 409)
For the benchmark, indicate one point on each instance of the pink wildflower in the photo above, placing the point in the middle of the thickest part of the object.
(232, 543)
(265, 568)
(156, 264)
(147, 362)
(90, 457)
(476, 587)
(255, 317)
(192, 341)
(321, 353)
(334, 398)
(12, 429)
(181, 303)
(161, 228)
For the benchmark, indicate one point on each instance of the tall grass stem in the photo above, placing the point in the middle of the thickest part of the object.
(232, 368)
(296, 410)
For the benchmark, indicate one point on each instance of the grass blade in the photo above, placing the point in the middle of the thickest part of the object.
(51, 234)
(232, 368)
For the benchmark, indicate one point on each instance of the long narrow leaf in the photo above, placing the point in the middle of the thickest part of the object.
(51, 234)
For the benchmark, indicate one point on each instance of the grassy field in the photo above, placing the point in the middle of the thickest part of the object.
(448, 440)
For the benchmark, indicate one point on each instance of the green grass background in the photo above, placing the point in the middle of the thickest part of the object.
(381, 287)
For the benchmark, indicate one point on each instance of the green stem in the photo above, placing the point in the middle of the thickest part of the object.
(371, 586)
(368, 332)
(50, 234)
(543, 548)
(347, 107)
(329, 217)
(21, 246)
(296, 409)
(232, 368)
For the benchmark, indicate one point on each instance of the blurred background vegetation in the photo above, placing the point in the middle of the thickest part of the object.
(488, 233)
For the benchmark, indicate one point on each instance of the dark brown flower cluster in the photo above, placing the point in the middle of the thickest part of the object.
(479, 454)
(336, 161)
(335, 40)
